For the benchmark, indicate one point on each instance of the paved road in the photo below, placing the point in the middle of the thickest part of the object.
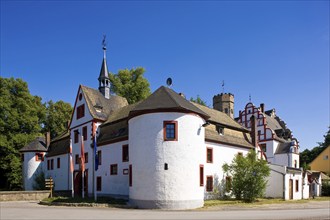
(31, 210)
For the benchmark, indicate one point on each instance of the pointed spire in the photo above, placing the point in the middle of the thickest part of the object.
(104, 81)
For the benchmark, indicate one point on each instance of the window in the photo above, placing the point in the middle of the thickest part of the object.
(80, 96)
(295, 163)
(98, 183)
(125, 171)
(48, 164)
(209, 155)
(263, 147)
(125, 153)
(297, 185)
(170, 130)
(209, 183)
(52, 164)
(39, 156)
(80, 111)
(326, 157)
(201, 175)
(226, 110)
(86, 157)
(77, 160)
(113, 169)
(99, 155)
(85, 133)
(130, 175)
(228, 183)
(220, 130)
(76, 136)
(58, 163)
(259, 133)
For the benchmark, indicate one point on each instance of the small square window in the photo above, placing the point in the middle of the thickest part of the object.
(113, 169)
(170, 130)
(39, 156)
(326, 157)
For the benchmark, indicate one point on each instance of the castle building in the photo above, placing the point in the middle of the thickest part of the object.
(163, 152)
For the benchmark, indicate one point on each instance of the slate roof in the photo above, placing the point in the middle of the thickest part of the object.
(283, 148)
(278, 126)
(59, 145)
(37, 145)
(220, 118)
(166, 99)
(104, 73)
(112, 132)
(95, 100)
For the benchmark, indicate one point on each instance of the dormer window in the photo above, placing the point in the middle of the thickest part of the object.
(81, 111)
(220, 130)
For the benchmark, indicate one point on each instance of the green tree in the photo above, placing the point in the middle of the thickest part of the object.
(130, 84)
(249, 176)
(57, 116)
(21, 117)
(198, 100)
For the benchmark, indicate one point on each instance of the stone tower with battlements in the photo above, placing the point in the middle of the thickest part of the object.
(224, 102)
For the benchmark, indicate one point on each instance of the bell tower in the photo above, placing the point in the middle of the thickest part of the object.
(104, 80)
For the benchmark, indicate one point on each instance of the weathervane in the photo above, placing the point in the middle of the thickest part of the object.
(250, 97)
(104, 44)
(223, 86)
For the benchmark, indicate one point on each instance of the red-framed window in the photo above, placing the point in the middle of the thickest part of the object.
(77, 159)
(125, 157)
(39, 156)
(58, 163)
(263, 147)
(98, 183)
(76, 136)
(48, 164)
(86, 157)
(209, 155)
(84, 129)
(201, 175)
(99, 155)
(130, 175)
(209, 183)
(113, 169)
(297, 185)
(81, 111)
(170, 130)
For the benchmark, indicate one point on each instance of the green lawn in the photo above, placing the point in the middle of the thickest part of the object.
(209, 203)
(100, 200)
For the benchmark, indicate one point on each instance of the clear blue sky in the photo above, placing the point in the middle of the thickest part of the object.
(277, 51)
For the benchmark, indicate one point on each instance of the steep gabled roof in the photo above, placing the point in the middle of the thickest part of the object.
(99, 106)
(37, 145)
(59, 145)
(165, 99)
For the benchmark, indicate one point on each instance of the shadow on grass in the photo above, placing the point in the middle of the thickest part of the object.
(79, 200)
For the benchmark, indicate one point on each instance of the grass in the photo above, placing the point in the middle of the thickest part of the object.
(79, 200)
(263, 201)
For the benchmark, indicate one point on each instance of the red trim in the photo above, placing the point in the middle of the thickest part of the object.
(165, 123)
(207, 150)
(201, 175)
(41, 155)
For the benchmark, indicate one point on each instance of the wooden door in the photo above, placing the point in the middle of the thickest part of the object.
(290, 189)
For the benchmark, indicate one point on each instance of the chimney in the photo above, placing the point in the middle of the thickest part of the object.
(254, 131)
(262, 107)
(47, 139)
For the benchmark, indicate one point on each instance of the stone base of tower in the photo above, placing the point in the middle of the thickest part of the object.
(166, 204)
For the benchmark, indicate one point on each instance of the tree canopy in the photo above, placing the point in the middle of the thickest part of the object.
(23, 117)
(130, 84)
(249, 176)
(57, 116)
(198, 100)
